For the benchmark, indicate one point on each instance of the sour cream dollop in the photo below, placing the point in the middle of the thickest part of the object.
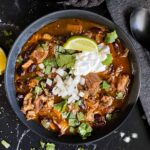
(87, 62)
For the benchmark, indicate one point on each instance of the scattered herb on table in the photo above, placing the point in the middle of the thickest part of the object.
(5, 144)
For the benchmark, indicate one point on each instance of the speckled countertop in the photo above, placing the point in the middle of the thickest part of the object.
(15, 15)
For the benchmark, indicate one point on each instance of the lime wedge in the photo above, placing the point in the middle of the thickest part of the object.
(2, 61)
(81, 43)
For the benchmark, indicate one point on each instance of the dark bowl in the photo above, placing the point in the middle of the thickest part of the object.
(37, 128)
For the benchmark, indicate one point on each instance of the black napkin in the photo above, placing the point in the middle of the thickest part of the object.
(120, 11)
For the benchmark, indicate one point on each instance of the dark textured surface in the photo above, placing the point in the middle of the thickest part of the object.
(120, 13)
(15, 15)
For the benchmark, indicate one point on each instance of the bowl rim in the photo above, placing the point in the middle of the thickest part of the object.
(83, 12)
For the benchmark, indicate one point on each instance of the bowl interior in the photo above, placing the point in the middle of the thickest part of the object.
(9, 75)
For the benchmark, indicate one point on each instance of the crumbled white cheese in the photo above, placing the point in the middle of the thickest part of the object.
(53, 70)
(122, 134)
(49, 82)
(41, 66)
(61, 72)
(81, 94)
(134, 135)
(67, 87)
(127, 139)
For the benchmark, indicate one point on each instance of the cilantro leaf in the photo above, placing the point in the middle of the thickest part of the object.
(108, 60)
(73, 122)
(37, 90)
(80, 116)
(50, 146)
(64, 60)
(105, 85)
(61, 106)
(85, 130)
(120, 95)
(111, 37)
(72, 130)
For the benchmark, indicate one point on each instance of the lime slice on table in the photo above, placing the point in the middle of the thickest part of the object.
(3, 60)
(81, 43)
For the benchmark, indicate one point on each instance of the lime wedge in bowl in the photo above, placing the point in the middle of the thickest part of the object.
(3, 60)
(80, 43)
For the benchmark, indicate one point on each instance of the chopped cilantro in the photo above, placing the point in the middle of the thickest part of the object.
(105, 85)
(109, 116)
(19, 60)
(64, 60)
(65, 114)
(119, 95)
(5, 144)
(38, 78)
(79, 102)
(73, 122)
(61, 106)
(80, 148)
(47, 70)
(80, 116)
(72, 130)
(85, 130)
(111, 37)
(45, 46)
(50, 62)
(7, 33)
(72, 116)
(108, 60)
(50, 146)
(37, 90)
(60, 49)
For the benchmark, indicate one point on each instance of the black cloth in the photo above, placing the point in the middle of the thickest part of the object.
(120, 11)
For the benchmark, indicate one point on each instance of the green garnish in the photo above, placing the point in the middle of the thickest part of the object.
(5, 144)
(108, 60)
(19, 60)
(73, 122)
(79, 102)
(65, 114)
(45, 46)
(109, 117)
(105, 85)
(80, 116)
(7, 33)
(64, 60)
(60, 49)
(32, 148)
(85, 130)
(61, 106)
(37, 90)
(80, 148)
(47, 70)
(50, 62)
(72, 116)
(120, 95)
(42, 144)
(111, 37)
(50, 146)
(38, 78)
(72, 130)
